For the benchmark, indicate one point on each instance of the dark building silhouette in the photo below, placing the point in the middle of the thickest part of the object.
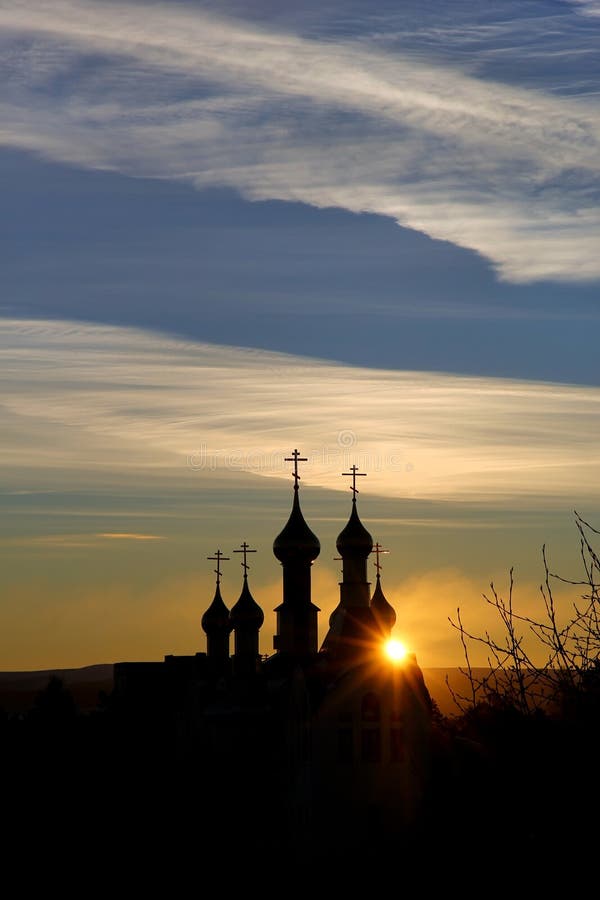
(307, 739)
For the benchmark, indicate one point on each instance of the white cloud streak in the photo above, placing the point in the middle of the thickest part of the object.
(587, 7)
(71, 541)
(181, 93)
(94, 402)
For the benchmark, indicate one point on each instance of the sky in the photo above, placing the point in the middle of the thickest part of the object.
(231, 229)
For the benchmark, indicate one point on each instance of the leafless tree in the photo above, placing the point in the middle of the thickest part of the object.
(569, 652)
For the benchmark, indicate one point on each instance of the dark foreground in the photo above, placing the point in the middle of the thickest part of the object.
(510, 798)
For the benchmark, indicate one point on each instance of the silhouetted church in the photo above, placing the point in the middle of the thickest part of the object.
(337, 734)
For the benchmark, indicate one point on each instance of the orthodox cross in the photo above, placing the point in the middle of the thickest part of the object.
(296, 458)
(218, 556)
(378, 551)
(245, 549)
(354, 474)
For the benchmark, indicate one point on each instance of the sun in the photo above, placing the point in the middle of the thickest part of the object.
(395, 650)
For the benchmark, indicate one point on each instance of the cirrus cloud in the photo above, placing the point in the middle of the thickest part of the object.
(96, 402)
(365, 124)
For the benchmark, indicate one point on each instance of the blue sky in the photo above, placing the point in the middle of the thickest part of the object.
(367, 230)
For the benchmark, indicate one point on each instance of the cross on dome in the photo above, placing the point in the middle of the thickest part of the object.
(378, 551)
(296, 458)
(219, 557)
(245, 550)
(354, 474)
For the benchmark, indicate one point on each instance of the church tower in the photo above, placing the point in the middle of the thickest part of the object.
(353, 629)
(246, 619)
(296, 547)
(217, 625)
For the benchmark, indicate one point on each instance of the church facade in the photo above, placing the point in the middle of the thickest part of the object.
(337, 733)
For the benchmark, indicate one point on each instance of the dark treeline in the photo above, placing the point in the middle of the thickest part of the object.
(505, 784)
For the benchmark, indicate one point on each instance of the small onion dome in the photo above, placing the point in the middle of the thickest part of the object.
(246, 613)
(383, 611)
(216, 617)
(354, 539)
(296, 542)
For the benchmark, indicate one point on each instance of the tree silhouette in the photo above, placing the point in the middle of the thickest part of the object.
(521, 751)
(570, 652)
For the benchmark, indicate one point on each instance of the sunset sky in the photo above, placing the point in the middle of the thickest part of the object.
(230, 229)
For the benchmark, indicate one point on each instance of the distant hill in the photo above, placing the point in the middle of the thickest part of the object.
(18, 689)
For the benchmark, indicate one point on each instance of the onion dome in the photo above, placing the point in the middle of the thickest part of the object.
(354, 540)
(246, 613)
(216, 617)
(384, 612)
(296, 542)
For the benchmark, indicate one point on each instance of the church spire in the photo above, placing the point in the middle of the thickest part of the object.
(351, 625)
(296, 542)
(354, 544)
(246, 619)
(296, 547)
(215, 622)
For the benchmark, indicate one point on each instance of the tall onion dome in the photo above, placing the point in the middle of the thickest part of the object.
(246, 614)
(216, 624)
(216, 617)
(352, 625)
(296, 547)
(354, 540)
(296, 543)
(354, 544)
(246, 619)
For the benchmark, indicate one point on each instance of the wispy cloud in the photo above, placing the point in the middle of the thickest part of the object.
(587, 7)
(128, 536)
(368, 125)
(97, 402)
(74, 541)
